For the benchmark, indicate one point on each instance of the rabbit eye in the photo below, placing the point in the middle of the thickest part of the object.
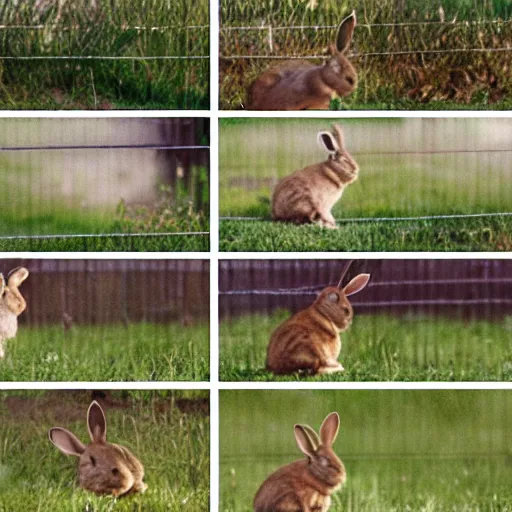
(350, 80)
(115, 471)
(93, 461)
(324, 462)
(333, 297)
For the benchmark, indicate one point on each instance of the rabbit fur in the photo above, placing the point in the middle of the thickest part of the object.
(305, 485)
(309, 194)
(103, 468)
(300, 85)
(12, 304)
(310, 340)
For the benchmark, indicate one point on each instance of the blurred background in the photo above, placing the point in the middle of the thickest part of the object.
(407, 166)
(152, 424)
(122, 319)
(82, 176)
(416, 320)
(403, 449)
(412, 54)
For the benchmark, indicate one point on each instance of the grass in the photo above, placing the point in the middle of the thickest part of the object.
(105, 31)
(403, 450)
(254, 154)
(40, 219)
(440, 235)
(137, 352)
(381, 348)
(173, 446)
(412, 81)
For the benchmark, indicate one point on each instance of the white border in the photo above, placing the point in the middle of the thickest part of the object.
(214, 256)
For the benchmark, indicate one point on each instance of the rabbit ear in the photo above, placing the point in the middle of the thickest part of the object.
(345, 33)
(66, 442)
(306, 444)
(329, 429)
(328, 141)
(357, 284)
(17, 275)
(97, 423)
(338, 135)
(312, 435)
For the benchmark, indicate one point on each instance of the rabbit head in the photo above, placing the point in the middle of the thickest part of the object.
(332, 302)
(10, 294)
(324, 464)
(338, 72)
(103, 468)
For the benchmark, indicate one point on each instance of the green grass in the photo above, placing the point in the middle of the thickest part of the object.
(403, 450)
(106, 84)
(439, 235)
(254, 154)
(138, 352)
(53, 219)
(173, 446)
(403, 81)
(381, 348)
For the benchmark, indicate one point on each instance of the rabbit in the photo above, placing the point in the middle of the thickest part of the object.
(310, 340)
(305, 485)
(300, 85)
(308, 195)
(103, 468)
(12, 304)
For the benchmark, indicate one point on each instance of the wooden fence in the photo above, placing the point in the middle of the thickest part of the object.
(470, 288)
(114, 291)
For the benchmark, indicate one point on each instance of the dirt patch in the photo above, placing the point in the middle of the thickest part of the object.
(70, 406)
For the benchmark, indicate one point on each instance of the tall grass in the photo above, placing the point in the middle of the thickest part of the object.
(476, 80)
(107, 30)
(173, 446)
(99, 353)
(382, 348)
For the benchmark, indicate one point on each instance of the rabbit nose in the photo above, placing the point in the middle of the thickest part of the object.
(346, 311)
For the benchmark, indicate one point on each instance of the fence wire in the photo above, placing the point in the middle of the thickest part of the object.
(409, 170)
(127, 179)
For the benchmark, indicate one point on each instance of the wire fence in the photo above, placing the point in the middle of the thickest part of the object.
(113, 178)
(482, 289)
(398, 57)
(101, 56)
(436, 170)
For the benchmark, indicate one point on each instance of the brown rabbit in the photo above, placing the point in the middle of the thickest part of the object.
(308, 195)
(310, 339)
(305, 485)
(12, 304)
(300, 85)
(103, 468)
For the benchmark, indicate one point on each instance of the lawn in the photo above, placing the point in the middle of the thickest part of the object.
(403, 450)
(412, 182)
(454, 235)
(381, 348)
(153, 44)
(172, 444)
(136, 352)
(412, 56)
(34, 216)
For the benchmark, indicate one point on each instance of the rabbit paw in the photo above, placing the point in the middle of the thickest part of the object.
(331, 368)
(140, 487)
